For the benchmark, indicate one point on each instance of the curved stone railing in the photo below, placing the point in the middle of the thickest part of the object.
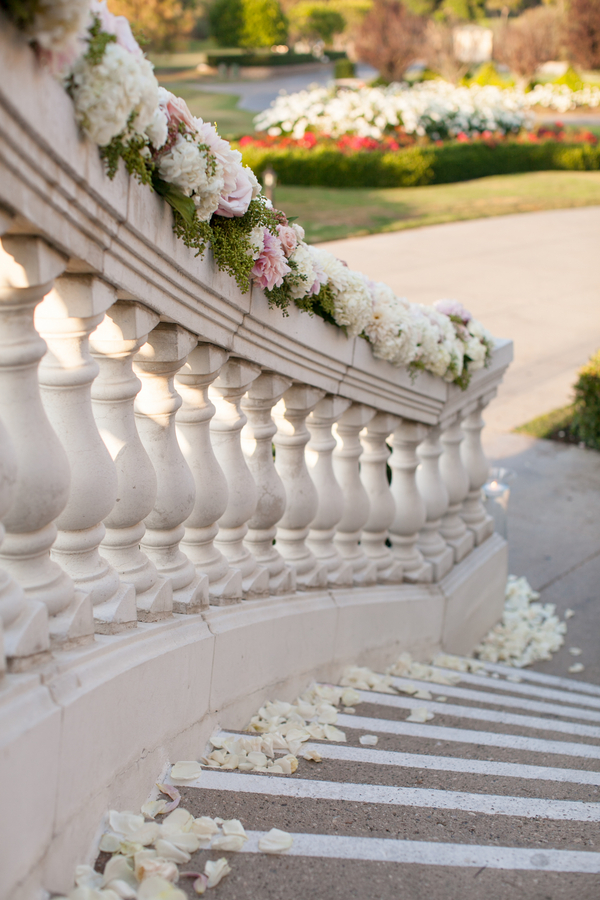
(162, 569)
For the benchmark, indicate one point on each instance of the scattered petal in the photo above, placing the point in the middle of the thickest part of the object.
(119, 868)
(171, 791)
(516, 679)
(420, 714)
(350, 697)
(569, 613)
(368, 740)
(441, 699)
(86, 876)
(312, 756)
(153, 808)
(575, 651)
(204, 827)
(233, 842)
(215, 870)
(234, 826)
(157, 888)
(576, 667)
(275, 841)
(170, 852)
(423, 694)
(200, 884)
(334, 734)
(186, 770)
(109, 843)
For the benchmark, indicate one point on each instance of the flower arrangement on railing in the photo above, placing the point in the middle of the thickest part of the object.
(217, 201)
(434, 109)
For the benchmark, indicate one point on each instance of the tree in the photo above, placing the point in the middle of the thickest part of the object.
(583, 33)
(264, 24)
(439, 52)
(159, 22)
(390, 38)
(525, 43)
(316, 21)
(226, 19)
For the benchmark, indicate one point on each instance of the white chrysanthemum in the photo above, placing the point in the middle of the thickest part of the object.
(335, 270)
(108, 93)
(353, 306)
(391, 329)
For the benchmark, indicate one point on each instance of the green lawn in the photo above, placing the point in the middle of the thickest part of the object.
(334, 213)
(220, 108)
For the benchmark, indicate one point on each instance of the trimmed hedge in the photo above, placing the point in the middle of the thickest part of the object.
(326, 166)
(269, 59)
(586, 420)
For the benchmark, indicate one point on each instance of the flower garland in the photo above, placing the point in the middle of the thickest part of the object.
(217, 201)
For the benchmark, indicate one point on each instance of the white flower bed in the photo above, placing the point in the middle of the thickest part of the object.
(434, 108)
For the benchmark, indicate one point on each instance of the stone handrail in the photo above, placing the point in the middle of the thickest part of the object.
(150, 530)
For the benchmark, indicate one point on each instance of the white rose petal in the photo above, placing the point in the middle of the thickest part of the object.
(231, 842)
(368, 740)
(169, 851)
(157, 888)
(420, 714)
(187, 770)
(215, 870)
(576, 667)
(275, 841)
(312, 756)
(575, 651)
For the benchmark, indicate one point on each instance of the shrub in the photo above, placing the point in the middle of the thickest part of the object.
(316, 21)
(390, 38)
(586, 420)
(571, 79)
(525, 43)
(326, 166)
(264, 24)
(344, 68)
(226, 19)
(159, 22)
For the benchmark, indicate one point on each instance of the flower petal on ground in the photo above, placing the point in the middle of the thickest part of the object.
(169, 851)
(312, 756)
(186, 770)
(275, 841)
(157, 888)
(232, 842)
(153, 808)
(368, 740)
(215, 870)
(171, 791)
(420, 714)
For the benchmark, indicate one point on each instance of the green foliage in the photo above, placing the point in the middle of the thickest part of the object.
(487, 74)
(326, 166)
(586, 420)
(129, 150)
(230, 240)
(344, 68)
(465, 10)
(226, 19)
(316, 21)
(571, 78)
(20, 12)
(264, 24)
(97, 42)
(548, 424)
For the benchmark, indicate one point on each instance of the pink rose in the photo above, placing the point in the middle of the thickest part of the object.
(237, 202)
(453, 308)
(271, 266)
(288, 238)
(176, 111)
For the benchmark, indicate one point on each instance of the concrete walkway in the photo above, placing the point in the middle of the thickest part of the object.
(531, 277)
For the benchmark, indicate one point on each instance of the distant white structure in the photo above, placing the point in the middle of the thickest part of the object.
(473, 43)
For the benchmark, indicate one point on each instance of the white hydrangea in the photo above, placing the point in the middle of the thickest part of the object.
(305, 269)
(353, 306)
(230, 159)
(257, 240)
(335, 270)
(391, 329)
(158, 129)
(106, 94)
(195, 172)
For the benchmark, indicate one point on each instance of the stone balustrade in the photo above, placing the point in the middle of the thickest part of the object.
(195, 497)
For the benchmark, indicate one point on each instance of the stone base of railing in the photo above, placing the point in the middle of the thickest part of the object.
(91, 728)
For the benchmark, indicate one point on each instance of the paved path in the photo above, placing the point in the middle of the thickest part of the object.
(496, 796)
(532, 277)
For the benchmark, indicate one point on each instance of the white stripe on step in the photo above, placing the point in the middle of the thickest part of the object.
(531, 690)
(487, 697)
(442, 763)
(465, 736)
(486, 715)
(435, 853)
(388, 795)
(568, 684)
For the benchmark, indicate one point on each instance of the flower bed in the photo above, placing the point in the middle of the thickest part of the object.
(434, 109)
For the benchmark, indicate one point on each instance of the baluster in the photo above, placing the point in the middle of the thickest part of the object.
(473, 513)
(433, 491)
(382, 508)
(193, 431)
(302, 501)
(257, 444)
(66, 318)
(29, 267)
(156, 364)
(346, 458)
(24, 622)
(411, 514)
(226, 393)
(114, 343)
(453, 529)
(319, 459)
